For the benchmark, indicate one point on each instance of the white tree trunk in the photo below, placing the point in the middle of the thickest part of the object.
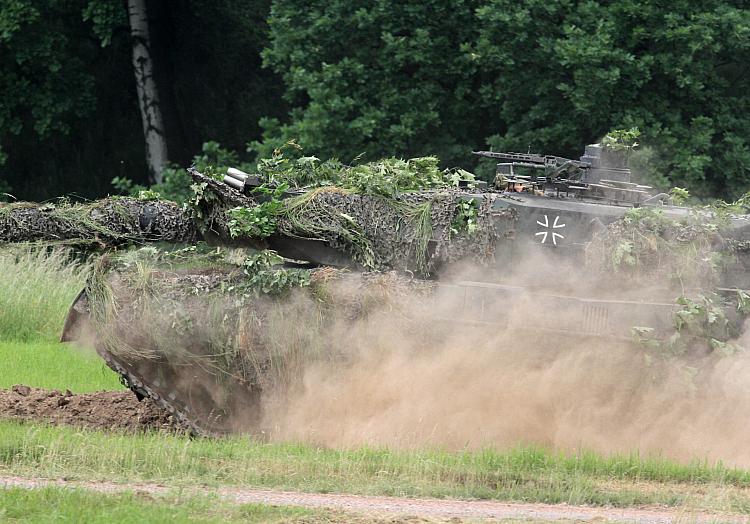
(148, 97)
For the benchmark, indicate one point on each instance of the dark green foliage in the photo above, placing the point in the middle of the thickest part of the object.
(564, 73)
(213, 83)
(443, 77)
(65, 119)
(106, 17)
(365, 80)
(69, 118)
(379, 79)
(45, 80)
(176, 182)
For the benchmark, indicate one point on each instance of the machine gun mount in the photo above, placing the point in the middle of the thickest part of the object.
(600, 174)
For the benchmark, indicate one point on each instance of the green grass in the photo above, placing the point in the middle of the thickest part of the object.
(525, 474)
(67, 505)
(55, 366)
(36, 289)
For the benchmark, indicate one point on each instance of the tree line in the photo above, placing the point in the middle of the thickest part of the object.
(93, 90)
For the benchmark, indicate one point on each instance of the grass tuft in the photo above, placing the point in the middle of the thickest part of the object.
(36, 289)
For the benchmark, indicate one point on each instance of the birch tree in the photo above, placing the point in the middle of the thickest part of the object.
(148, 96)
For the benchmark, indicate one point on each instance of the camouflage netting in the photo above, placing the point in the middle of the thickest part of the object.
(197, 324)
(415, 231)
(104, 223)
(689, 253)
(412, 231)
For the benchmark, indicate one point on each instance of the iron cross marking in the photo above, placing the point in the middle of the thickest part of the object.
(550, 230)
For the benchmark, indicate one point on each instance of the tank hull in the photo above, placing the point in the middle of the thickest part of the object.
(209, 403)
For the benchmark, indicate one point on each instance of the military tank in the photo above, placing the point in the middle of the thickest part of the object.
(552, 247)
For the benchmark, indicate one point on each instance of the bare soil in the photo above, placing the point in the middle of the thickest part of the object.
(104, 410)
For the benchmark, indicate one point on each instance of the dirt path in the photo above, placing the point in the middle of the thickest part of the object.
(393, 506)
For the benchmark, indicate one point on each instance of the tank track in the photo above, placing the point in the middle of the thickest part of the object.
(160, 397)
(162, 394)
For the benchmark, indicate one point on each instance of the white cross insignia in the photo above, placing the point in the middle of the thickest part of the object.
(554, 225)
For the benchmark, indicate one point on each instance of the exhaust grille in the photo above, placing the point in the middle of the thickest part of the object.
(595, 319)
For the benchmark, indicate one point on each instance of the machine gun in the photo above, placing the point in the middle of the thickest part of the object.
(599, 174)
(553, 166)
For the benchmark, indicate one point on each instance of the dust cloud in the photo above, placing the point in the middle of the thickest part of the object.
(409, 380)
(382, 360)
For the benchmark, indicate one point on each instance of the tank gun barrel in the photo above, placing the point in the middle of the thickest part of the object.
(534, 161)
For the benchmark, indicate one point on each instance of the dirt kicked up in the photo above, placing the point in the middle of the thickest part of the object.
(105, 410)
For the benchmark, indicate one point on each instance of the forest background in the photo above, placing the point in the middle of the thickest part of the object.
(358, 80)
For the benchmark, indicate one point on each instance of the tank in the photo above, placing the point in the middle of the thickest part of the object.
(553, 248)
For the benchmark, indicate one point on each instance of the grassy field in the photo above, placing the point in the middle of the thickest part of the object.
(48, 505)
(55, 366)
(525, 474)
(36, 289)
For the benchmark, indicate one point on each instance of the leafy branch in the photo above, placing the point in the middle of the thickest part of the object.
(387, 177)
(264, 277)
(622, 140)
(465, 220)
(259, 221)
